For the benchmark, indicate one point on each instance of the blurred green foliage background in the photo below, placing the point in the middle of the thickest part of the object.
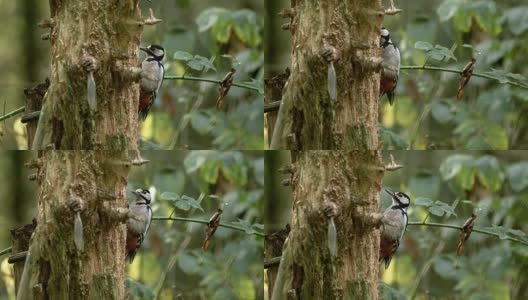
(171, 263)
(447, 34)
(203, 38)
(445, 187)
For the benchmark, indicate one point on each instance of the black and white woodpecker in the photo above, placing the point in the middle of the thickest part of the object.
(390, 66)
(394, 224)
(138, 223)
(151, 78)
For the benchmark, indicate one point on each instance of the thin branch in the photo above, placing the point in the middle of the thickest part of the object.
(13, 113)
(190, 78)
(274, 261)
(205, 222)
(475, 74)
(272, 106)
(482, 231)
(5, 251)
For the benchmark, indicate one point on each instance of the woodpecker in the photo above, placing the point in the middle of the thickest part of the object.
(138, 223)
(390, 66)
(394, 225)
(151, 78)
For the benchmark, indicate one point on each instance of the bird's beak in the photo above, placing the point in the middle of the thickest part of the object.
(145, 49)
(135, 193)
(390, 193)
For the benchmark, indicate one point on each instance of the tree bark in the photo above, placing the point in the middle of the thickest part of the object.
(101, 37)
(349, 183)
(57, 268)
(308, 118)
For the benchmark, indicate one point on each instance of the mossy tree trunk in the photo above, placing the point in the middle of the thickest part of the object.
(308, 119)
(56, 267)
(101, 37)
(349, 183)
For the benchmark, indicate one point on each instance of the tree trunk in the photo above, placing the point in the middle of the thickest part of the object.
(349, 183)
(308, 118)
(57, 268)
(101, 37)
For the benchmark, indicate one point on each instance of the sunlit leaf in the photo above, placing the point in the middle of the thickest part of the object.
(447, 9)
(453, 164)
(489, 172)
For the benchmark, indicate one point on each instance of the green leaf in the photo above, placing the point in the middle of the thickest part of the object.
(442, 112)
(386, 292)
(246, 27)
(234, 168)
(447, 9)
(246, 225)
(423, 45)
(466, 177)
(392, 140)
(169, 196)
(518, 176)
(440, 208)
(496, 137)
(437, 52)
(483, 12)
(453, 164)
(517, 19)
(190, 202)
(188, 263)
(182, 55)
(423, 201)
(200, 122)
(258, 84)
(501, 231)
(424, 184)
(208, 17)
(437, 211)
(210, 170)
(194, 160)
(139, 290)
(445, 268)
(489, 172)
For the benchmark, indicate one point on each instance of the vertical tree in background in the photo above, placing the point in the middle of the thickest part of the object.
(100, 38)
(92, 183)
(344, 34)
(349, 184)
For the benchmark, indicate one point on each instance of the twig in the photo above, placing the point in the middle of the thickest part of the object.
(5, 251)
(205, 222)
(475, 74)
(482, 231)
(190, 78)
(275, 261)
(272, 106)
(17, 257)
(13, 113)
(272, 262)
